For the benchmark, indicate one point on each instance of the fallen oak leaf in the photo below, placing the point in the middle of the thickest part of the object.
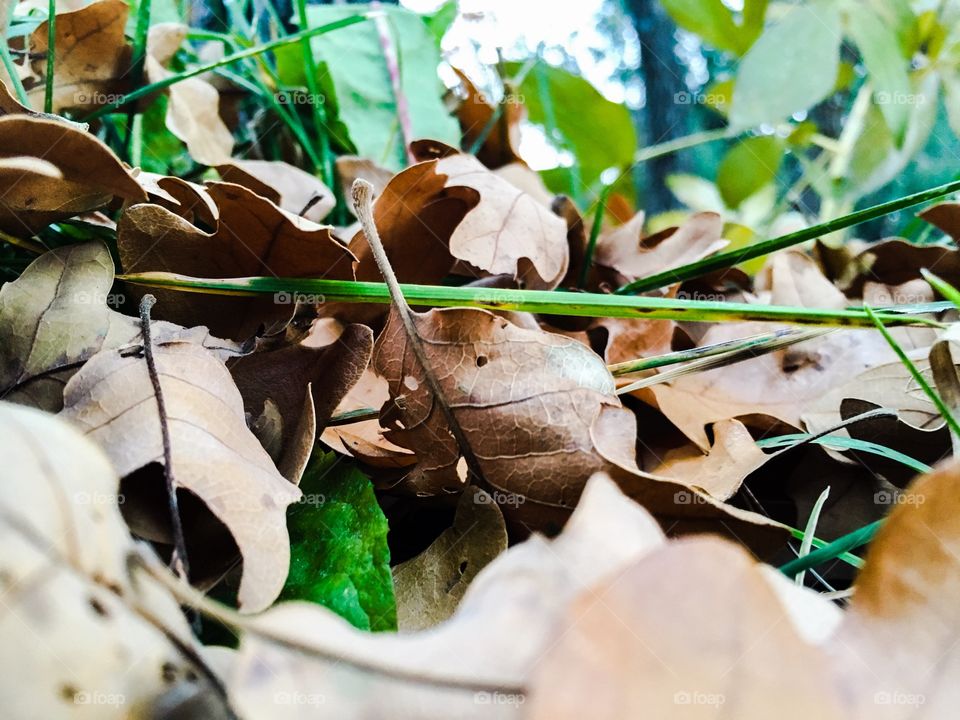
(430, 586)
(507, 228)
(252, 237)
(287, 186)
(456, 373)
(90, 174)
(211, 453)
(81, 636)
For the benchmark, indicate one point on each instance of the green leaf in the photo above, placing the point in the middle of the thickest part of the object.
(338, 545)
(748, 166)
(354, 69)
(879, 47)
(714, 23)
(790, 68)
(576, 117)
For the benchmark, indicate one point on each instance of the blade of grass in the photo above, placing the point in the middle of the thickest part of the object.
(318, 108)
(816, 542)
(728, 259)
(594, 234)
(227, 60)
(11, 69)
(810, 530)
(942, 287)
(537, 301)
(833, 550)
(721, 348)
(51, 55)
(141, 31)
(844, 443)
(915, 373)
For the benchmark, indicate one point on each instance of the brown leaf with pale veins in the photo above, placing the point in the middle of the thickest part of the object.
(539, 413)
(214, 455)
(292, 374)
(252, 237)
(475, 114)
(508, 232)
(193, 111)
(625, 254)
(82, 638)
(91, 174)
(91, 57)
(287, 186)
(53, 318)
(429, 587)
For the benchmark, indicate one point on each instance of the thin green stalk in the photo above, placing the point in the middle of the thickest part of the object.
(682, 143)
(752, 342)
(136, 71)
(846, 557)
(845, 443)
(594, 234)
(51, 55)
(942, 286)
(915, 373)
(227, 60)
(326, 168)
(833, 550)
(735, 257)
(11, 69)
(537, 301)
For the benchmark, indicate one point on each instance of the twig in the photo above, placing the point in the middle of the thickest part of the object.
(178, 561)
(363, 207)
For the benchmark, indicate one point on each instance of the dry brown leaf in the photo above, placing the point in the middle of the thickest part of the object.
(214, 456)
(91, 174)
(624, 254)
(287, 186)
(429, 587)
(252, 237)
(504, 623)
(352, 167)
(53, 318)
(508, 232)
(91, 57)
(193, 111)
(81, 637)
(733, 455)
(475, 112)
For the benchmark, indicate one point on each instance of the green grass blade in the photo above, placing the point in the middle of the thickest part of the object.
(728, 259)
(833, 550)
(844, 443)
(847, 557)
(318, 108)
(915, 373)
(535, 301)
(11, 69)
(942, 287)
(227, 60)
(51, 55)
(753, 342)
(594, 234)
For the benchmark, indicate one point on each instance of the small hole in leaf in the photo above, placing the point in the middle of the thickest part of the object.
(482, 360)
(98, 607)
(463, 567)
